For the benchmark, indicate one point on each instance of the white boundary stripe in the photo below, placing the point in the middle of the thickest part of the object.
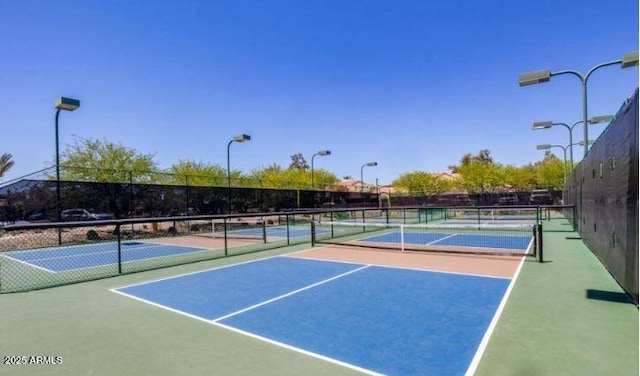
(30, 265)
(290, 293)
(299, 350)
(496, 317)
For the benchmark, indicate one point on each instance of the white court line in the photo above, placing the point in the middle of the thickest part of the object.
(290, 293)
(441, 239)
(29, 264)
(487, 335)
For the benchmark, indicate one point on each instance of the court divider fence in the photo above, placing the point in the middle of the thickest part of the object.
(41, 255)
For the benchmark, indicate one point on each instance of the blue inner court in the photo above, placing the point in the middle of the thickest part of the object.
(380, 319)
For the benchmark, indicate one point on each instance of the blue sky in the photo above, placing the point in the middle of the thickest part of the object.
(413, 85)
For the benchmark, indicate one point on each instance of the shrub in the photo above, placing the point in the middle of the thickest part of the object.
(92, 235)
(172, 231)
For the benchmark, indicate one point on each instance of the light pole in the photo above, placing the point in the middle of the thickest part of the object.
(548, 124)
(321, 152)
(67, 104)
(628, 60)
(238, 138)
(370, 164)
(564, 150)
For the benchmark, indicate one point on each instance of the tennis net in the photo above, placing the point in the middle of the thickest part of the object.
(495, 239)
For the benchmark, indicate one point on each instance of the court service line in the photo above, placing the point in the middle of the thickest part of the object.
(290, 294)
(441, 239)
(494, 322)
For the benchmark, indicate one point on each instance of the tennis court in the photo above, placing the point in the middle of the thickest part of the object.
(375, 317)
(68, 258)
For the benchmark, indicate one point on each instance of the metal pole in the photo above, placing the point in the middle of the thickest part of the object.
(58, 219)
(229, 178)
(585, 123)
(362, 184)
(313, 156)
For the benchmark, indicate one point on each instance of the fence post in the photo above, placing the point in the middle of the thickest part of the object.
(225, 236)
(119, 240)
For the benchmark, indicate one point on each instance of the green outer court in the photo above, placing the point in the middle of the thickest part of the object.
(566, 316)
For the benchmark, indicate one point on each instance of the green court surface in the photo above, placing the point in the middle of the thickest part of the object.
(566, 316)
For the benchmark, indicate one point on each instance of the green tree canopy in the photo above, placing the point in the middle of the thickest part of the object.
(104, 161)
(420, 182)
(199, 174)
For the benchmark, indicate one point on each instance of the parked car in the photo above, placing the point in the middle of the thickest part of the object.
(540, 197)
(83, 215)
(509, 199)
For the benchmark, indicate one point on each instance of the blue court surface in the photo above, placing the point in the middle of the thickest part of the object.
(370, 318)
(66, 258)
(510, 242)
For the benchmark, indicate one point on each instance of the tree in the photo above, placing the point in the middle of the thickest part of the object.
(198, 174)
(298, 162)
(484, 157)
(549, 172)
(480, 173)
(420, 182)
(104, 161)
(5, 163)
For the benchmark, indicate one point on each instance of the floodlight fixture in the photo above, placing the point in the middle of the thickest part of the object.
(630, 59)
(242, 138)
(542, 125)
(533, 78)
(67, 104)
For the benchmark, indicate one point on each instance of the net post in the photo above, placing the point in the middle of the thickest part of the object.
(264, 231)
(535, 240)
(313, 234)
(287, 220)
(402, 238)
(540, 246)
(226, 248)
(386, 214)
(119, 241)
(331, 219)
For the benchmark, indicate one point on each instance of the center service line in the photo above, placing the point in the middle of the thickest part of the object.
(289, 294)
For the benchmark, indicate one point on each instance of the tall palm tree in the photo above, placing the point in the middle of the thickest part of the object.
(5, 163)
